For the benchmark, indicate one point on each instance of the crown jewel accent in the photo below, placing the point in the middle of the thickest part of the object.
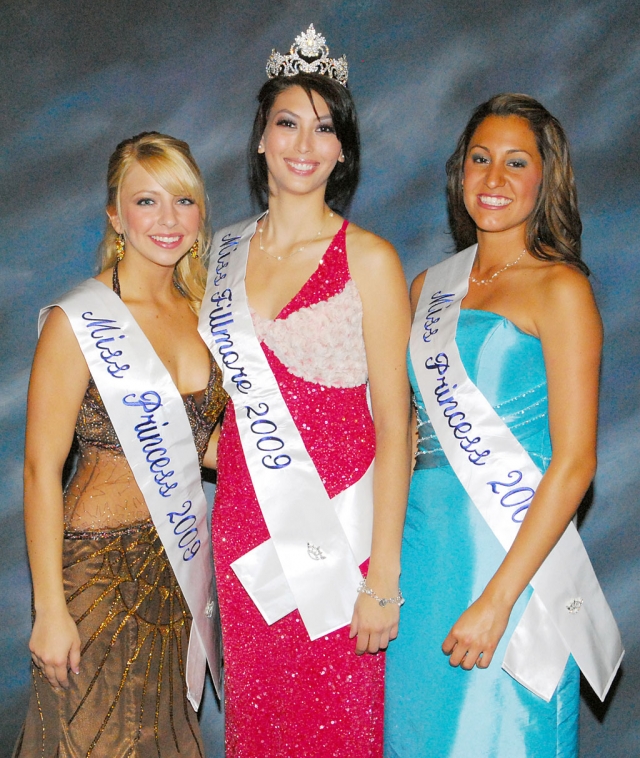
(315, 552)
(309, 54)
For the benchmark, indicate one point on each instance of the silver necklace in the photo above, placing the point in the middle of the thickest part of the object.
(498, 272)
(297, 250)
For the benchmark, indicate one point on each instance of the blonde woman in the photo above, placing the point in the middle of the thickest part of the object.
(117, 558)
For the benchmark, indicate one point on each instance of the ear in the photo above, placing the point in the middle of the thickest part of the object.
(341, 157)
(261, 145)
(114, 220)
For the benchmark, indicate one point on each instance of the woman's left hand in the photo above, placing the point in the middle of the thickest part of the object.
(373, 624)
(474, 637)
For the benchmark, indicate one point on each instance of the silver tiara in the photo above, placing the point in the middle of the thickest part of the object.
(309, 54)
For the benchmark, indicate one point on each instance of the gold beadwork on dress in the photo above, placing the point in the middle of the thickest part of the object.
(134, 625)
(130, 696)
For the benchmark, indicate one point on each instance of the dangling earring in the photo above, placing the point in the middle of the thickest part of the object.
(195, 249)
(120, 246)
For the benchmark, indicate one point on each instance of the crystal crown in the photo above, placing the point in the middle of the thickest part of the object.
(309, 54)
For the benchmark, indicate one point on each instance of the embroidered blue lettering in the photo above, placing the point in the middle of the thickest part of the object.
(438, 301)
(151, 440)
(98, 327)
(456, 419)
(221, 317)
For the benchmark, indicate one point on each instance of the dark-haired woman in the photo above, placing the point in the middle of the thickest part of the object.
(505, 353)
(321, 313)
(120, 560)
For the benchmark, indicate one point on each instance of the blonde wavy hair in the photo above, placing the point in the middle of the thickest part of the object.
(169, 161)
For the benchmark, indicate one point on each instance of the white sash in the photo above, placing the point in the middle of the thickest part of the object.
(148, 415)
(317, 543)
(567, 612)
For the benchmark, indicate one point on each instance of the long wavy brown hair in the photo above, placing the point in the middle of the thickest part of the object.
(554, 228)
(169, 161)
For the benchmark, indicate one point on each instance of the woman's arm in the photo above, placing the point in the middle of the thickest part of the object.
(414, 297)
(58, 382)
(569, 327)
(377, 272)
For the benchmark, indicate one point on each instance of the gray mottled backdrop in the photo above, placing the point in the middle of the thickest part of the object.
(76, 77)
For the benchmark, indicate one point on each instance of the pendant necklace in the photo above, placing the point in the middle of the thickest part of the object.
(297, 250)
(498, 272)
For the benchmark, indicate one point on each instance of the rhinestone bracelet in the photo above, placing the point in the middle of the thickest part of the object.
(399, 600)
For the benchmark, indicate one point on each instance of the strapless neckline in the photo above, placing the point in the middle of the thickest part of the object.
(500, 317)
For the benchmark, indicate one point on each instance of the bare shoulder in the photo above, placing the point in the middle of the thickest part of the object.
(367, 251)
(58, 344)
(561, 283)
(58, 381)
(564, 294)
(57, 326)
(377, 272)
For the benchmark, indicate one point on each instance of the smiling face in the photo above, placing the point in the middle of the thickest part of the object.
(299, 143)
(157, 225)
(502, 175)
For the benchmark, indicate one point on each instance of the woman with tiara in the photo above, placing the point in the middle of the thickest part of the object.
(305, 313)
(502, 602)
(120, 561)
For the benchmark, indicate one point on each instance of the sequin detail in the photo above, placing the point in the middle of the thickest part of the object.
(285, 695)
(103, 493)
(516, 410)
(129, 698)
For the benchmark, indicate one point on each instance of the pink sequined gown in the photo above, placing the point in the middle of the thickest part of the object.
(285, 695)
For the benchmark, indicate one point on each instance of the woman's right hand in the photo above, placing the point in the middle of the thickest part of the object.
(55, 646)
(58, 382)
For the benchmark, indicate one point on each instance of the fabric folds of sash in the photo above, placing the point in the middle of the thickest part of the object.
(317, 543)
(149, 417)
(567, 612)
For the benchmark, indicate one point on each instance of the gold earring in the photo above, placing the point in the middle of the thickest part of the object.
(120, 246)
(195, 249)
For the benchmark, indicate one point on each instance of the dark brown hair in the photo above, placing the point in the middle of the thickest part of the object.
(554, 227)
(343, 181)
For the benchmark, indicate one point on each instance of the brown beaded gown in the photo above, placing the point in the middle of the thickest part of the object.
(129, 700)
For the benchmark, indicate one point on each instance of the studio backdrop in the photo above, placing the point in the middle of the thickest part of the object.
(77, 77)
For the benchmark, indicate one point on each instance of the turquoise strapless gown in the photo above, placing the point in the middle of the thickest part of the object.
(448, 556)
